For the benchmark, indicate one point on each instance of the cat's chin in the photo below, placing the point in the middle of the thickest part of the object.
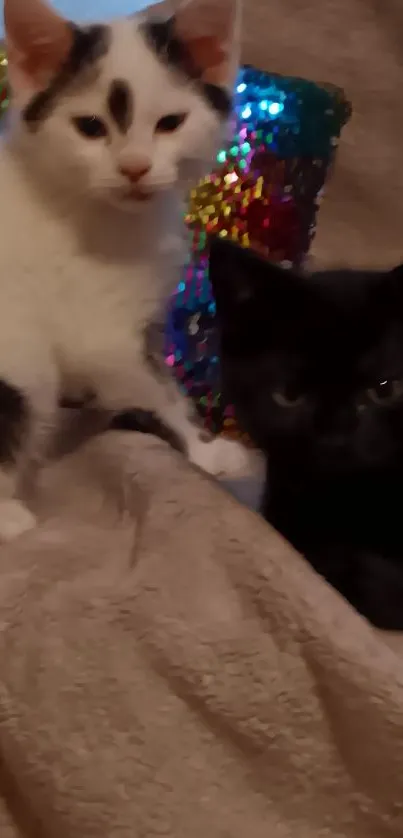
(133, 207)
(132, 203)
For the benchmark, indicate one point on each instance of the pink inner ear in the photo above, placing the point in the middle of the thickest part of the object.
(207, 27)
(207, 53)
(38, 40)
(42, 62)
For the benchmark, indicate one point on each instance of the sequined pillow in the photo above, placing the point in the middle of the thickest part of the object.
(264, 193)
(3, 80)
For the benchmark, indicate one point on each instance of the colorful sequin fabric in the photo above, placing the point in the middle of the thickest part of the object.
(264, 193)
(3, 81)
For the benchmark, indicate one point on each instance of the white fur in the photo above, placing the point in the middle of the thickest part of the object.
(82, 268)
(15, 519)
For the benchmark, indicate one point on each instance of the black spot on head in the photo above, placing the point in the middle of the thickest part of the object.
(120, 104)
(89, 45)
(13, 422)
(162, 38)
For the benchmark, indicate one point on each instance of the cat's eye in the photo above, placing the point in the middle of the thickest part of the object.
(170, 123)
(386, 392)
(288, 398)
(90, 126)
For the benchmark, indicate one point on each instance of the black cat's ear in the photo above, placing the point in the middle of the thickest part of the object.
(240, 276)
(397, 272)
(396, 284)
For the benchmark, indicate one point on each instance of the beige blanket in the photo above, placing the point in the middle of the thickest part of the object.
(167, 665)
(170, 667)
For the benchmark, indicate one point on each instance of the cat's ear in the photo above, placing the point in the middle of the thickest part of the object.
(398, 272)
(239, 277)
(38, 43)
(210, 29)
(396, 285)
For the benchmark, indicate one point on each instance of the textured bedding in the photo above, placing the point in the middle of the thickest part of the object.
(170, 667)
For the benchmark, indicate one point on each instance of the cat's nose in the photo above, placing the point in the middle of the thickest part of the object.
(135, 171)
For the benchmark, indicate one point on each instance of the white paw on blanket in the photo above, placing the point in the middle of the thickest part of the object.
(15, 519)
(220, 457)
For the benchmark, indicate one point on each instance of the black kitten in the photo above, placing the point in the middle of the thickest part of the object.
(314, 366)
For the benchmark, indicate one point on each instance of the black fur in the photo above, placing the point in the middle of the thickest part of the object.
(161, 36)
(146, 422)
(121, 105)
(89, 45)
(13, 422)
(314, 366)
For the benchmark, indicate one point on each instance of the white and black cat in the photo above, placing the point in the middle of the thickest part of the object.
(314, 366)
(108, 126)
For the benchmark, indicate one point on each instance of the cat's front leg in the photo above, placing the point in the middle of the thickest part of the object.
(15, 517)
(24, 433)
(121, 385)
(213, 454)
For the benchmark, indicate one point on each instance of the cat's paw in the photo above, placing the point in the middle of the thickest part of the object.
(15, 519)
(220, 457)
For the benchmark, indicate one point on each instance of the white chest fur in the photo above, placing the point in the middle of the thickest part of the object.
(88, 280)
(78, 286)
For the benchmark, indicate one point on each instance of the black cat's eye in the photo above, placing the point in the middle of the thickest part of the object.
(90, 126)
(288, 398)
(170, 123)
(386, 392)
